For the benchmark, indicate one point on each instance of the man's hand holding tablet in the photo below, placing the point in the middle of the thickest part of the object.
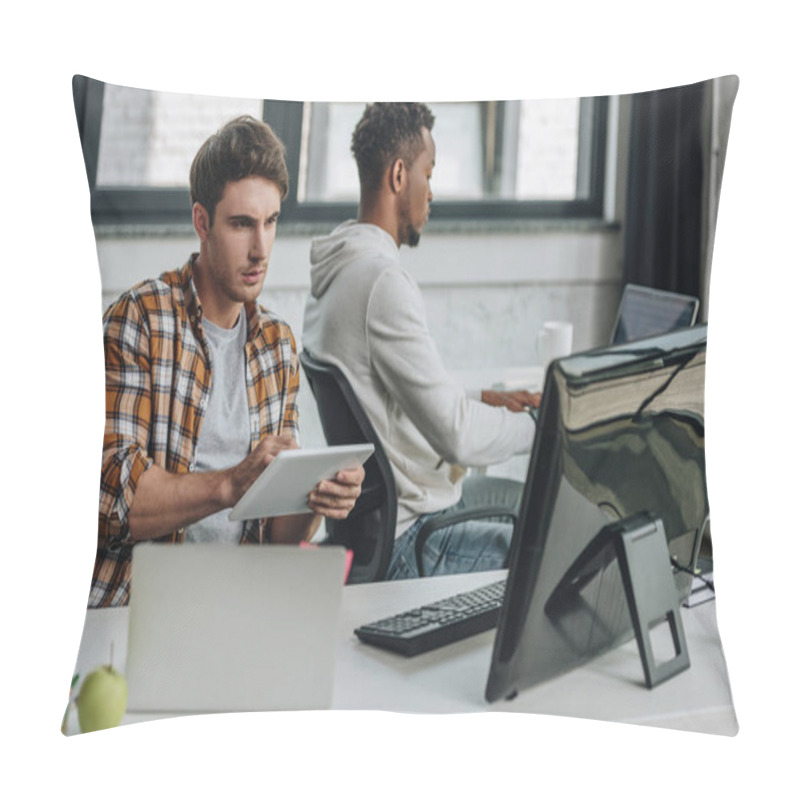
(325, 481)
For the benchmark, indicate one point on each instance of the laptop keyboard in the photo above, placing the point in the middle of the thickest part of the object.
(437, 624)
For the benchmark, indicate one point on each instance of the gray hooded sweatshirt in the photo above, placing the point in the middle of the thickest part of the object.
(366, 315)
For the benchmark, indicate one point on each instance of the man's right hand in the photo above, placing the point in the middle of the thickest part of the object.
(513, 401)
(165, 502)
(242, 476)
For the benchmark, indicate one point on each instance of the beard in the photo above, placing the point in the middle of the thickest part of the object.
(411, 235)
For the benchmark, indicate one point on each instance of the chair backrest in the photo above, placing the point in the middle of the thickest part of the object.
(370, 527)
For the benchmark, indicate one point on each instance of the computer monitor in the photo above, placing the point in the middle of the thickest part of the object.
(620, 432)
(644, 312)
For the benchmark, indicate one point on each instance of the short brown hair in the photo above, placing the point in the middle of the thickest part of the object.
(243, 147)
(387, 131)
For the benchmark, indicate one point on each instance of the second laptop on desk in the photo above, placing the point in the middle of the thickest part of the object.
(218, 627)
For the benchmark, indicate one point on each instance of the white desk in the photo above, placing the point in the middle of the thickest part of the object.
(502, 378)
(453, 678)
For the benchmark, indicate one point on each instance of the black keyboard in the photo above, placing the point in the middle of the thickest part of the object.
(437, 624)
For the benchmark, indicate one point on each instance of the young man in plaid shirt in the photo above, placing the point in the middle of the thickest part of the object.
(201, 381)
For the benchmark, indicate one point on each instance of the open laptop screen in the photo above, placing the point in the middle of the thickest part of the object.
(647, 312)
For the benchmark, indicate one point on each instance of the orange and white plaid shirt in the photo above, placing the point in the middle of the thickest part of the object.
(158, 381)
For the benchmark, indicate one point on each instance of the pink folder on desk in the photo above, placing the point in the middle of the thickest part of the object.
(348, 559)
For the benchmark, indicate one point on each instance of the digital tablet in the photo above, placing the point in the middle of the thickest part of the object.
(283, 487)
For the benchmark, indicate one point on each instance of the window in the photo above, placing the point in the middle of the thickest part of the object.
(512, 159)
(148, 139)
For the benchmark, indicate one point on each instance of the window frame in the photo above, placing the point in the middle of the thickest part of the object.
(121, 206)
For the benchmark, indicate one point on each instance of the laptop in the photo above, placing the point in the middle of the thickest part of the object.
(217, 627)
(647, 312)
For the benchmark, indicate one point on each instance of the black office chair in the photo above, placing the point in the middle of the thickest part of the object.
(450, 517)
(369, 529)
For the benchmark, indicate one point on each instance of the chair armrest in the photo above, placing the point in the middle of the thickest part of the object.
(447, 518)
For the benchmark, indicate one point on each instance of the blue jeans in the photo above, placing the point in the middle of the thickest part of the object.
(468, 546)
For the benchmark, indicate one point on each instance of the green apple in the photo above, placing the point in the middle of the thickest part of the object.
(102, 699)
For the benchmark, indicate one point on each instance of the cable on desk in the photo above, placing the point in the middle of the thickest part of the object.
(694, 573)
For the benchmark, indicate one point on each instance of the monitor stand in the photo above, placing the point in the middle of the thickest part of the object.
(639, 545)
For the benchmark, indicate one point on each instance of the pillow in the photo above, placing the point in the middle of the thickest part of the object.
(543, 211)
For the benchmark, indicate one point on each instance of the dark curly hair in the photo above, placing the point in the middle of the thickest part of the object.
(243, 147)
(387, 131)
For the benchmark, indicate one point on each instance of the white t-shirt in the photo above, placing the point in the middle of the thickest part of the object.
(224, 438)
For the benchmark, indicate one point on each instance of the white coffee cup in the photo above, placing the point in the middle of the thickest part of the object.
(554, 340)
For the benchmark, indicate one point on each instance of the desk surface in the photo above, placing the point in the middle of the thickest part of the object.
(453, 678)
(503, 378)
